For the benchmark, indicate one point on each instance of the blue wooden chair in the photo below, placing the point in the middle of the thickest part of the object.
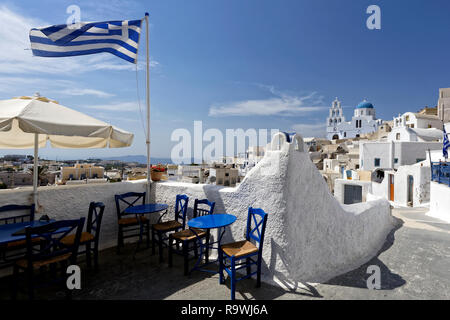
(51, 253)
(162, 228)
(90, 237)
(187, 236)
(231, 254)
(14, 250)
(129, 226)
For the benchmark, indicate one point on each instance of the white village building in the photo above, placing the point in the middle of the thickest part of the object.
(443, 106)
(414, 127)
(393, 154)
(363, 121)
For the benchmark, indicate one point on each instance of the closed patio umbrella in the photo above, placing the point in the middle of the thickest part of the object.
(29, 122)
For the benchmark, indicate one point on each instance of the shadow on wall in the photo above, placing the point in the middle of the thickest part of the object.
(213, 193)
(358, 278)
(278, 257)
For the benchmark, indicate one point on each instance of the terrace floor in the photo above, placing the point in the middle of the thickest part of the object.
(414, 263)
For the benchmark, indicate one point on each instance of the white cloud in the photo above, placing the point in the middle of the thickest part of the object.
(18, 86)
(84, 92)
(122, 106)
(280, 104)
(310, 129)
(17, 58)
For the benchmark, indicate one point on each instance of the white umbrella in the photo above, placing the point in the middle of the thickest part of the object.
(28, 122)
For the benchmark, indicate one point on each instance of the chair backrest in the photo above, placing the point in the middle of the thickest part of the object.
(95, 216)
(256, 226)
(198, 212)
(51, 235)
(24, 217)
(181, 205)
(127, 200)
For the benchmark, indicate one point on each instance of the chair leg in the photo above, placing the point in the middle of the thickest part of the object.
(221, 267)
(119, 239)
(30, 284)
(233, 278)
(258, 273)
(88, 255)
(67, 290)
(147, 226)
(153, 241)
(207, 248)
(186, 257)
(160, 246)
(15, 282)
(170, 251)
(249, 269)
(96, 257)
(195, 249)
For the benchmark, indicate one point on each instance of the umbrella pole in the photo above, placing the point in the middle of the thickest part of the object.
(35, 171)
(148, 113)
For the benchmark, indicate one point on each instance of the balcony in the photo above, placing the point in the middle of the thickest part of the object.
(440, 172)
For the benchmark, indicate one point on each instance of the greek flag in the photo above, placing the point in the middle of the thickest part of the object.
(446, 145)
(121, 38)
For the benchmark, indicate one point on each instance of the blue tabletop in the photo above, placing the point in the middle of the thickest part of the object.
(7, 230)
(146, 208)
(212, 221)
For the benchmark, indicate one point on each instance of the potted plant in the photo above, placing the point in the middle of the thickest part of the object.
(157, 172)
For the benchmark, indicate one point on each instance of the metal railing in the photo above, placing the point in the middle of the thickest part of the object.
(440, 172)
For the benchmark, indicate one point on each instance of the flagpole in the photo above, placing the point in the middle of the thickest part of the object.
(148, 112)
(35, 171)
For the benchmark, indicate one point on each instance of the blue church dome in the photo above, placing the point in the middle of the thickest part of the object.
(364, 105)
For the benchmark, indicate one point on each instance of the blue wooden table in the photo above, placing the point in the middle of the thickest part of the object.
(208, 222)
(139, 211)
(146, 208)
(7, 231)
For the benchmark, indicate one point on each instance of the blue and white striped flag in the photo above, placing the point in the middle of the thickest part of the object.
(120, 38)
(446, 144)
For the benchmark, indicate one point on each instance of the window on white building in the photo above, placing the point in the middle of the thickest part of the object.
(377, 162)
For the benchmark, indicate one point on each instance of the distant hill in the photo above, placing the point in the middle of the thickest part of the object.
(139, 159)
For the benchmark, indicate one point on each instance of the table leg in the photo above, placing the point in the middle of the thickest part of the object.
(204, 247)
(207, 246)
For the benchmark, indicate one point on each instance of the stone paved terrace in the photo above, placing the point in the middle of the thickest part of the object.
(415, 264)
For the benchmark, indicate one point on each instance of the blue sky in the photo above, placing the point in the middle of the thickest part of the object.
(234, 64)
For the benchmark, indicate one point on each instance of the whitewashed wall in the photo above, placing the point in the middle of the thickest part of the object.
(439, 201)
(71, 202)
(339, 188)
(310, 237)
(421, 186)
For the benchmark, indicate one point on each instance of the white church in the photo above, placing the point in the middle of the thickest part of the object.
(363, 121)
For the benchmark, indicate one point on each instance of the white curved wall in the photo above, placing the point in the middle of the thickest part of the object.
(310, 237)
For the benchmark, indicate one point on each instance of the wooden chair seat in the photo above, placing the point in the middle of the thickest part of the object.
(85, 237)
(188, 234)
(20, 243)
(167, 226)
(40, 263)
(239, 249)
(131, 221)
